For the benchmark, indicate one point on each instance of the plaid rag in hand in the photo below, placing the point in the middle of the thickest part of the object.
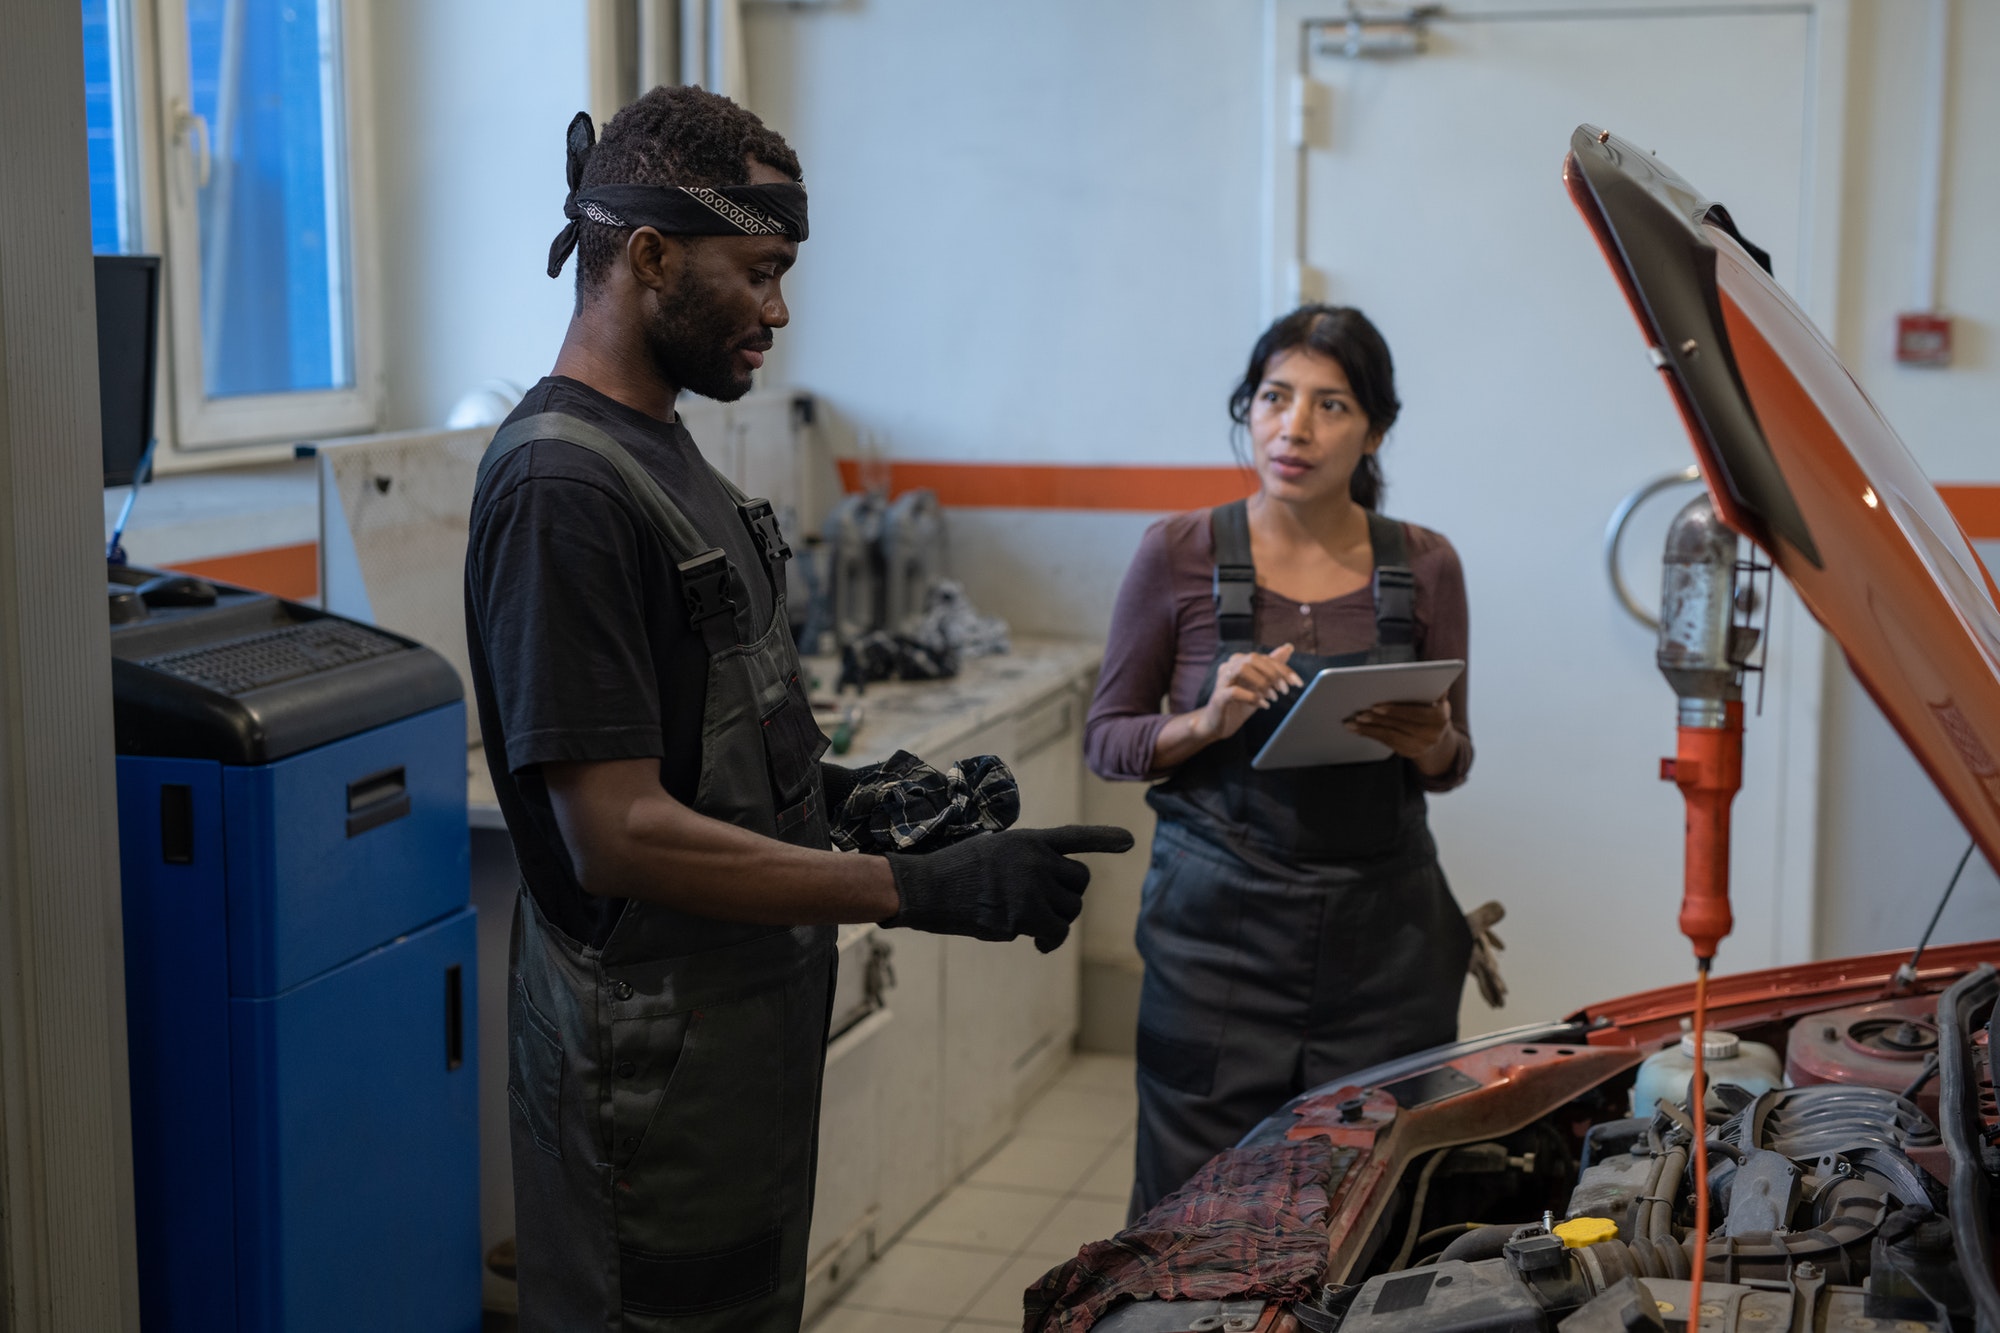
(904, 805)
(1252, 1223)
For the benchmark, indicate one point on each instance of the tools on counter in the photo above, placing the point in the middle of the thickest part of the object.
(844, 572)
(879, 607)
(876, 585)
(849, 712)
(912, 544)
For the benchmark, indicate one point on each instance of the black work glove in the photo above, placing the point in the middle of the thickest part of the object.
(1002, 885)
(839, 783)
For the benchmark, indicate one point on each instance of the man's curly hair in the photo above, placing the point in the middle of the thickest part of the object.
(672, 136)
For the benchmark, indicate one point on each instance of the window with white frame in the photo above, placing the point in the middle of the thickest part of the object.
(221, 136)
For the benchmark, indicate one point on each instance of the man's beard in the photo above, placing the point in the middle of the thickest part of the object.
(690, 342)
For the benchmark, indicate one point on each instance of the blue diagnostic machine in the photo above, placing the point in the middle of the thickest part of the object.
(298, 964)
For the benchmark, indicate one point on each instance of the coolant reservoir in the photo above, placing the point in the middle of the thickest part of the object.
(1664, 1076)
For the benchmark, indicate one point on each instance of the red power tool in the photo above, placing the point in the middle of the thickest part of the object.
(1704, 650)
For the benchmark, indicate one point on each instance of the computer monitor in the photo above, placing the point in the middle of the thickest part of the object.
(128, 356)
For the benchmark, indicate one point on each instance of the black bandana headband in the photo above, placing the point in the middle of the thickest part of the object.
(717, 210)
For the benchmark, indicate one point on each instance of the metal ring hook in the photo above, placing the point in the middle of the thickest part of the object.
(1614, 536)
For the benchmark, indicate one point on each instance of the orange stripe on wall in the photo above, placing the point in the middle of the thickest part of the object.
(293, 571)
(1056, 486)
(1158, 489)
(1977, 509)
(282, 571)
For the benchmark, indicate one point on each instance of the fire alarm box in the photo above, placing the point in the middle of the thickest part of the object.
(1923, 340)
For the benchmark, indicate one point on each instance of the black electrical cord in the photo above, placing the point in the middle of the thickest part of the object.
(1923, 1078)
(1958, 1120)
(1907, 973)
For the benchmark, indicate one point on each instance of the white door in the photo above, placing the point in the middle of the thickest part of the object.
(1428, 192)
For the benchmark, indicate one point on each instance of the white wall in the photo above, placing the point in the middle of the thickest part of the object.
(1076, 275)
(1034, 224)
(472, 98)
(1035, 232)
(1887, 840)
(1036, 239)
(1949, 418)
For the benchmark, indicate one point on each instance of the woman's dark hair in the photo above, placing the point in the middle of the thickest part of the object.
(1346, 335)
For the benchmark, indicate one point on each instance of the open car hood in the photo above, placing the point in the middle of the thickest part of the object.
(1798, 459)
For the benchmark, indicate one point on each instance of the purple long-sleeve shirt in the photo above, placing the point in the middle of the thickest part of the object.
(1164, 637)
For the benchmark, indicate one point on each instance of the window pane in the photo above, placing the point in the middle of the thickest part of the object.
(105, 98)
(265, 74)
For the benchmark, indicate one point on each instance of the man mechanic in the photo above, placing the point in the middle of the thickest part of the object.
(657, 762)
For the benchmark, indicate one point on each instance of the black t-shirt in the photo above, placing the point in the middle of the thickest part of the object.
(580, 644)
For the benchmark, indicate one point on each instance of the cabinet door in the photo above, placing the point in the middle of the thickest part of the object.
(335, 850)
(981, 992)
(1010, 1011)
(848, 1178)
(170, 854)
(910, 1109)
(357, 1144)
(1050, 768)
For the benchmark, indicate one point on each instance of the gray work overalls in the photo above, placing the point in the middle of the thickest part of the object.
(665, 1087)
(1295, 923)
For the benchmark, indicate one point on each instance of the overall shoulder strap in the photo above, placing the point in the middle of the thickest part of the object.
(1395, 591)
(704, 570)
(762, 521)
(1235, 576)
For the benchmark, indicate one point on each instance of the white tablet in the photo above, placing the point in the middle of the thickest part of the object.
(1315, 731)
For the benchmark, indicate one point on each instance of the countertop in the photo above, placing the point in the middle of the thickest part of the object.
(922, 717)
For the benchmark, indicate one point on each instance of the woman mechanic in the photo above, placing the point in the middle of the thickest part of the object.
(1295, 924)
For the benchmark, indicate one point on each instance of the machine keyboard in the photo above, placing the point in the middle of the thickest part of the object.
(270, 658)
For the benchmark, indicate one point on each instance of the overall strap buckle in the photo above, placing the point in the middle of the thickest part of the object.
(1235, 574)
(1235, 592)
(762, 521)
(705, 586)
(1395, 606)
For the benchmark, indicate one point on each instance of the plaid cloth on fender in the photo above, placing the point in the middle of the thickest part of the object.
(904, 805)
(1252, 1223)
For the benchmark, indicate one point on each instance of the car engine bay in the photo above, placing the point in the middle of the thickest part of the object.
(1845, 1193)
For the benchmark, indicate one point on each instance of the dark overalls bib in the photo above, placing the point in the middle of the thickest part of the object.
(665, 1087)
(1295, 923)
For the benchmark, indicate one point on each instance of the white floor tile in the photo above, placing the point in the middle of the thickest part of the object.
(918, 1279)
(1111, 1177)
(986, 1218)
(1098, 1073)
(1000, 1301)
(1059, 1183)
(1094, 1117)
(1028, 1161)
(1076, 1224)
(849, 1319)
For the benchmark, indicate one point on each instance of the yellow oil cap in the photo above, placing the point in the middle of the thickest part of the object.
(1581, 1231)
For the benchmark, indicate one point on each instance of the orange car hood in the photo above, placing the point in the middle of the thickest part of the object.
(1799, 460)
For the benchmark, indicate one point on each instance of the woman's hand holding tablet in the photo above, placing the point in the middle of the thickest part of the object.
(1359, 714)
(1421, 733)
